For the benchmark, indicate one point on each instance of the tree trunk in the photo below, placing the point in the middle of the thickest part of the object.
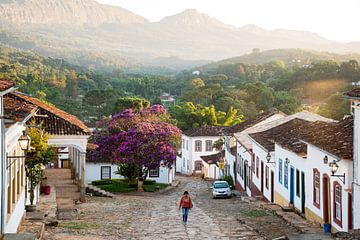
(140, 186)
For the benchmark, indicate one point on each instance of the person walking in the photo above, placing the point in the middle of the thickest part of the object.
(185, 204)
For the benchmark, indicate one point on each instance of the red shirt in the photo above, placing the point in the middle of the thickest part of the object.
(185, 202)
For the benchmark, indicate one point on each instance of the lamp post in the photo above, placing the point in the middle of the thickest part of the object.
(333, 168)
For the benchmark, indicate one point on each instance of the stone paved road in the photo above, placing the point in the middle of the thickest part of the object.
(156, 217)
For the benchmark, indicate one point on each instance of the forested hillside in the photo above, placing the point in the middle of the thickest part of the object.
(78, 90)
(220, 96)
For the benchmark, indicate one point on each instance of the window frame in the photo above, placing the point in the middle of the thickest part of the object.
(316, 190)
(280, 171)
(286, 174)
(267, 177)
(101, 172)
(337, 205)
(210, 149)
(198, 148)
(157, 174)
(297, 183)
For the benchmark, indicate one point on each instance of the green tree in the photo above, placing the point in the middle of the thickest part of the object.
(135, 103)
(335, 107)
(190, 116)
(39, 154)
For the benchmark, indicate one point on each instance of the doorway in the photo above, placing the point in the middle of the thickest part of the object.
(272, 185)
(350, 212)
(326, 199)
(292, 193)
(245, 175)
(235, 175)
(302, 192)
(262, 177)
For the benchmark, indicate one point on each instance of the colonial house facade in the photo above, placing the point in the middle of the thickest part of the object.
(354, 96)
(312, 169)
(18, 111)
(196, 143)
(257, 174)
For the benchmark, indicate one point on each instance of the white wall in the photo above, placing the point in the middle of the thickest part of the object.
(356, 159)
(262, 153)
(298, 163)
(230, 159)
(93, 173)
(17, 215)
(242, 155)
(189, 156)
(315, 160)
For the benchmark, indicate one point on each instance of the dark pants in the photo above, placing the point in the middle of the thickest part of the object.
(185, 212)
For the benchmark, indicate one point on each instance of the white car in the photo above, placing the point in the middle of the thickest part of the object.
(221, 189)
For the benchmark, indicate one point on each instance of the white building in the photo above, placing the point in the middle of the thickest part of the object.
(354, 96)
(240, 166)
(299, 175)
(196, 143)
(253, 168)
(97, 169)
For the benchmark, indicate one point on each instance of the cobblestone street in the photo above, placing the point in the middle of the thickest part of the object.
(157, 217)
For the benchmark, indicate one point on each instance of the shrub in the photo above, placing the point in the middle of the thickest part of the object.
(101, 182)
(230, 181)
(149, 182)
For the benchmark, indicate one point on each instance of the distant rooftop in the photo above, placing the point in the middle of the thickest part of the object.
(245, 140)
(6, 84)
(355, 93)
(252, 121)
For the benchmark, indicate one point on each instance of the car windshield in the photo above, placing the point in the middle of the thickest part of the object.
(221, 185)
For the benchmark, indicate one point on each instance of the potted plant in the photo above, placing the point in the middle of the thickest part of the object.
(40, 153)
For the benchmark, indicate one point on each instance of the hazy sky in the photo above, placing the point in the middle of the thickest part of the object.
(333, 19)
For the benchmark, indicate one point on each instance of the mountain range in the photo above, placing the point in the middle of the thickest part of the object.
(94, 34)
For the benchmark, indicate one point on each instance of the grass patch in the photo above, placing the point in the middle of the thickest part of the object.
(78, 225)
(123, 186)
(154, 187)
(254, 213)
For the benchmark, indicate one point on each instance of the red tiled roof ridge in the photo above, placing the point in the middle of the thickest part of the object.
(54, 110)
(5, 84)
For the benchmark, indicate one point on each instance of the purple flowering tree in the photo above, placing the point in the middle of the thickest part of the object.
(139, 140)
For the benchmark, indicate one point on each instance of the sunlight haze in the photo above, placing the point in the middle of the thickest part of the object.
(334, 19)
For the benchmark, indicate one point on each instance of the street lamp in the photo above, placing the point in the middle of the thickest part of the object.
(268, 158)
(333, 168)
(24, 142)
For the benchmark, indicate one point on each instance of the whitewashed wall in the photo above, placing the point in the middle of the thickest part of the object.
(17, 215)
(297, 162)
(262, 153)
(315, 160)
(242, 155)
(356, 184)
(93, 173)
(230, 159)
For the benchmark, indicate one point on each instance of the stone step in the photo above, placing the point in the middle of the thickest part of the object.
(19, 236)
(98, 192)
